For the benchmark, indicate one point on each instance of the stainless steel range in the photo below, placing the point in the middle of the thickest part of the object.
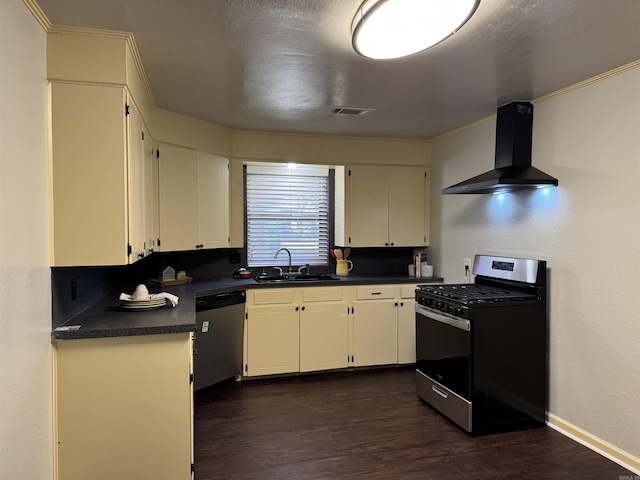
(481, 348)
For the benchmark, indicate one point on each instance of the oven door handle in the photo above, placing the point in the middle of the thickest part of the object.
(460, 323)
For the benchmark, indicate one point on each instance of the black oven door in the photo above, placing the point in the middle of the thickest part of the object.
(443, 349)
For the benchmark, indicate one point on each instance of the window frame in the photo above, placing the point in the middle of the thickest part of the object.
(331, 215)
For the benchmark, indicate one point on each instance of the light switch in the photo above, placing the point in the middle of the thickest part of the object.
(205, 327)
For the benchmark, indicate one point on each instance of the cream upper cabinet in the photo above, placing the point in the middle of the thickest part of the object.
(193, 199)
(213, 201)
(96, 177)
(141, 206)
(150, 191)
(407, 205)
(387, 206)
(369, 206)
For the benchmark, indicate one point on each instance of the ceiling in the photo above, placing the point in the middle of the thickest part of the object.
(280, 65)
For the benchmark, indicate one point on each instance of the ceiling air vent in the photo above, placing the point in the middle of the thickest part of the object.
(357, 111)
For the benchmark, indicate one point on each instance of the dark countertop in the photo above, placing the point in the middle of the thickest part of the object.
(106, 319)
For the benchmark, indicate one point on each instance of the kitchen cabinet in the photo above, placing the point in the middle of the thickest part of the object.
(140, 185)
(296, 330)
(387, 206)
(290, 330)
(406, 324)
(272, 333)
(324, 334)
(124, 408)
(375, 326)
(99, 214)
(193, 199)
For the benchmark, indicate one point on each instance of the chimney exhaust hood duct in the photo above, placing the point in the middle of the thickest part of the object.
(513, 170)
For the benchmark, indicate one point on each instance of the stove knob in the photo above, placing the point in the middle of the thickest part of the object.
(429, 301)
(439, 305)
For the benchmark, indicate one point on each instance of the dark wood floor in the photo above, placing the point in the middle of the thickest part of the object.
(366, 424)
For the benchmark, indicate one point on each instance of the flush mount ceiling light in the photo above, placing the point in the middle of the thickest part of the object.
(385, 29)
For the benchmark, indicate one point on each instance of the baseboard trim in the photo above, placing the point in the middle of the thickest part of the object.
(594, 443)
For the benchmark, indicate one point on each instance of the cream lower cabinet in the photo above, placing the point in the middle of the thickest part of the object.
(290, 330)
(273, 344)
(124, 408)
(405, 299)
(375, 326)
(324, 330)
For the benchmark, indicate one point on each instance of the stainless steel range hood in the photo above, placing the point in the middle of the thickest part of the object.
(513, 170)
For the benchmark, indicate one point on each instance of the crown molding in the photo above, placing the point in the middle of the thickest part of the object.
(128, 37)
(38, 14)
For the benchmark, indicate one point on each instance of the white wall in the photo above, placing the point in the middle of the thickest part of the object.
(25, 286)
(588, 230)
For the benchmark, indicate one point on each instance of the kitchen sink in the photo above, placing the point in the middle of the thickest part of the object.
(297, 278)
(311, 278)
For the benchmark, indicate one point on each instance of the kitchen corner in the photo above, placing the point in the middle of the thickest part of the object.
(106, 319)
(94, 310)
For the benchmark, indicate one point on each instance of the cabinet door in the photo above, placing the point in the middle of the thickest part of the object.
(406, 331)
(273, 345)
(88, 175)
(213, 201)
(136, 184)
(407, 206)
(375, 333)
(155, 167)
(406, 325)
(150, 191)
(324, 336)
(369, 211)
(178, 198)
(124, 408)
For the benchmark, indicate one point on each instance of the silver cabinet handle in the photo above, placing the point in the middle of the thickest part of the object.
(439, 392)
(457, 322)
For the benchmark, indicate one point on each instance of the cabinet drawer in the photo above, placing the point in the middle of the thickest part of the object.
(320, 294)
(273, 296)
(408, 291)
(374, 292)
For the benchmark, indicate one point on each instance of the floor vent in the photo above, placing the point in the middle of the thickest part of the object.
(360, 112)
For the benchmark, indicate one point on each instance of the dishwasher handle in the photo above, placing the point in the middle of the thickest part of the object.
(220, 300)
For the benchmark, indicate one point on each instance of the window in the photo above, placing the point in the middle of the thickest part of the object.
(287, 208)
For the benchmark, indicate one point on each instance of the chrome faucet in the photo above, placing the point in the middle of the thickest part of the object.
(288, 253)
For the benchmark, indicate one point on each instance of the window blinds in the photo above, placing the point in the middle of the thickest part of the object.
(287, 209)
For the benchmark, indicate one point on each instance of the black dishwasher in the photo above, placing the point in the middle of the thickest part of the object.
(219, 337)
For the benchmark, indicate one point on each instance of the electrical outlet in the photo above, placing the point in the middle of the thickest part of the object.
(74, 289)
(467, 269)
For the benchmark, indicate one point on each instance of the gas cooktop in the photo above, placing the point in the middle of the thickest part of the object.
(471, 293)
